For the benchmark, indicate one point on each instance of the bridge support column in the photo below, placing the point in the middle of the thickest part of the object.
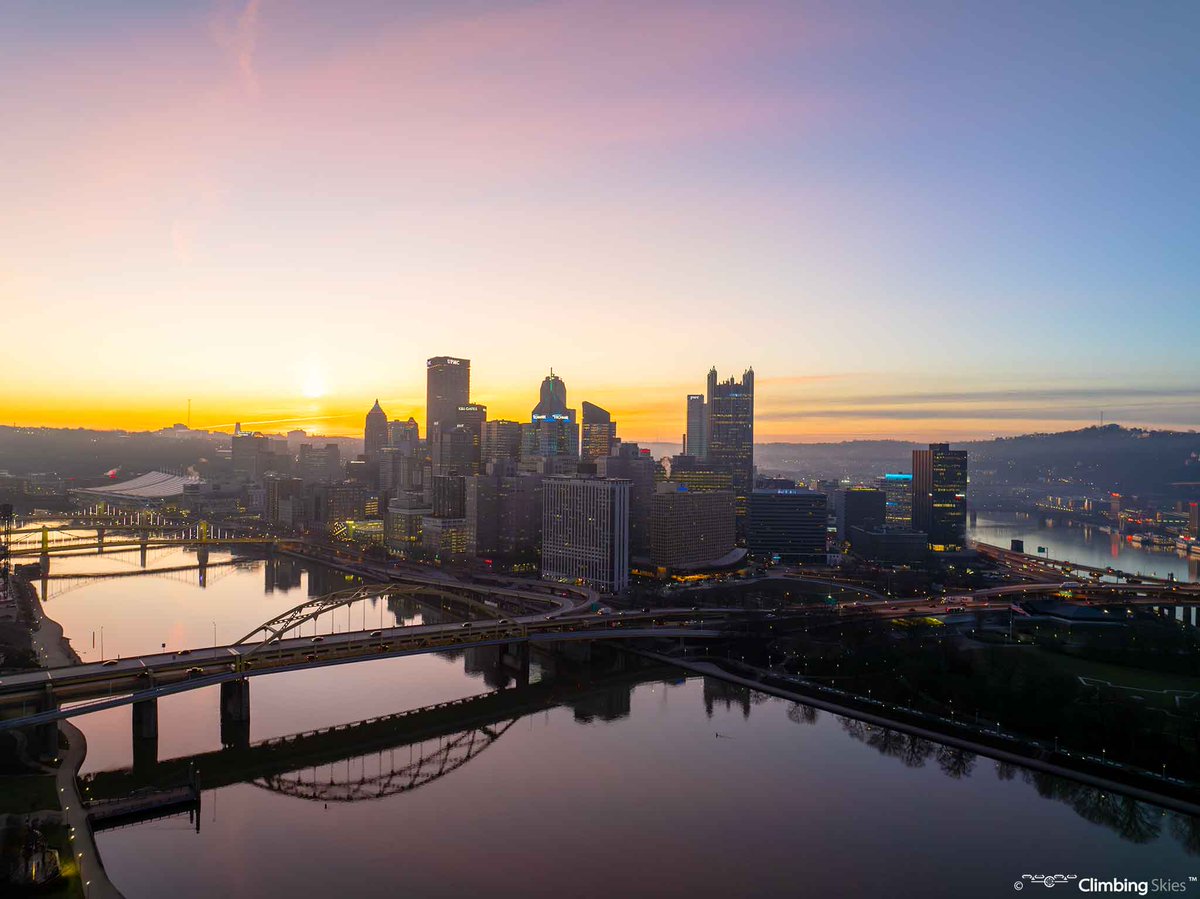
(515, 658)
(99, 540)
(235, 713)
(202, 558)
(43, 738)
(145, 734)
(142, 551)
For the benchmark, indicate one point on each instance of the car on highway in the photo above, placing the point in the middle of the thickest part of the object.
(109, 663)
(317, 640)
(376, 633)
(195, 671)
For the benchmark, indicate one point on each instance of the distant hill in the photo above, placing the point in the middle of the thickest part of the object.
(1127, 460)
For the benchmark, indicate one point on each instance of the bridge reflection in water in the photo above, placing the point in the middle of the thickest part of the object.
(366, 760)
(390, 755)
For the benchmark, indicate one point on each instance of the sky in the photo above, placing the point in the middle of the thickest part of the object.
(920, 220)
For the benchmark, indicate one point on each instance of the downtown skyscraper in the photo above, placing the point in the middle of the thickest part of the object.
(447, 386)
(939, 496)
(730, 435)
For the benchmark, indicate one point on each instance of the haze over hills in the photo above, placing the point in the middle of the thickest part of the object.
(1132, 460)
(1129, 460)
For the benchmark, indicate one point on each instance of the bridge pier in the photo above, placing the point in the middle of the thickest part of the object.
(145, 538)
(515, 658)
(235, 713)
(43, 738)
(202, 559)
(99, 540)
(145, 734)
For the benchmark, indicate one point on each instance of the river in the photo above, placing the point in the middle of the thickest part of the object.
(649, 785)
(1083, 544)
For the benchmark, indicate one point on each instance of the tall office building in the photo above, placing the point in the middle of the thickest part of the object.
(897, 493)
(585, 531)
(447, 386)
(599, 432)
(375, 434)
(456, 448)
(939, 496)
(859, 507)
(791, 524)
(552, 399)
(404, 435)
(504, 514)
(696, 442)
(320, 463)
(730, 443)
(689, 529)
(629, 463)
(552, 430)
(501, 441)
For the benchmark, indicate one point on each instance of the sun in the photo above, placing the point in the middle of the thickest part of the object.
(313, 385)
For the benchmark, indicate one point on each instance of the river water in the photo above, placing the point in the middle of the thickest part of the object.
(645, 784)
(1084, 544)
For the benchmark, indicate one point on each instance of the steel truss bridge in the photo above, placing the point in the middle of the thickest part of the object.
(45, 541)
(277, 646)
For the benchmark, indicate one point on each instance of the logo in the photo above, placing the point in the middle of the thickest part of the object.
(1046, 880)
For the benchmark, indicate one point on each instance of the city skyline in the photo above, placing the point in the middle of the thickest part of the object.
(897, 252)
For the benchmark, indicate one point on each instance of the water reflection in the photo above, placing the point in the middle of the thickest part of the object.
(1134, 821)
(1084, 544)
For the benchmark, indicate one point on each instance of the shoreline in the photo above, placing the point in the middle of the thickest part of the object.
(50, 644)
(53, 649)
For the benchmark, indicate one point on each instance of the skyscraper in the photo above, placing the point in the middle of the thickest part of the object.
(375, 434)
(696, 443)
(447, 386)
(730, 440)
(599, 432)
(501, 440)
(552, 401)
(585, 531)
(939, 496)
(790, 524)
(689, 528)
(859, 507)
(404, 435)
(552, 430)
(897, 491)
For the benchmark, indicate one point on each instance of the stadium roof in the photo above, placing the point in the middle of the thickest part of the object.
(152, 485)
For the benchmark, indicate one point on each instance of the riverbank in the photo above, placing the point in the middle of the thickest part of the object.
(1095, 773)
(51, 646)
(53, 650)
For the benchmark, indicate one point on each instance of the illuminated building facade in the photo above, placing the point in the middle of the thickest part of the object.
(501, 441)
(585, 531)
(599, 432)
(897, 494)
(939, 496)
(730, 440)
(689, 528)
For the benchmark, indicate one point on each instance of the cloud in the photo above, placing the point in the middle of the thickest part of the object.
(240, 40)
